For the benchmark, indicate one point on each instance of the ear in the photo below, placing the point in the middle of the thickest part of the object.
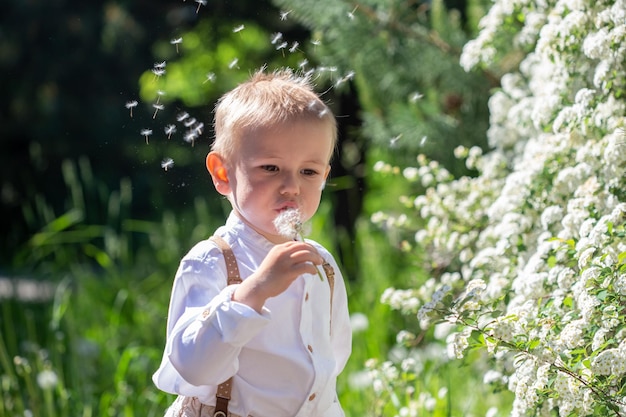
(325, 178)
(219, 173)
(327, 172)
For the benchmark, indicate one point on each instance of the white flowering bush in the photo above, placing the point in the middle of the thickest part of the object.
(528, 257)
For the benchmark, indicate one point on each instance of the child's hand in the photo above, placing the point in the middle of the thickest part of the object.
(282, 265)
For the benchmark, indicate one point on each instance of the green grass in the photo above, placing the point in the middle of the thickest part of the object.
(103, 331)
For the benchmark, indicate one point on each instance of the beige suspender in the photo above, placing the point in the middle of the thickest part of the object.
(222, 397)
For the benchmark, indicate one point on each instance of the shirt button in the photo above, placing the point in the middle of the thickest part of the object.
(306, 297)
(310, 348)
(205, 314)
(311, 397)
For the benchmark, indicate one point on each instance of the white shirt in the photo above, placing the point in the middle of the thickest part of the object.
(285, 361)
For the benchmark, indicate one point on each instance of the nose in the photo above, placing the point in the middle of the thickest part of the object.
(290, 184)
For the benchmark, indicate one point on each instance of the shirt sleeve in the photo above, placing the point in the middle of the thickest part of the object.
(205, 328)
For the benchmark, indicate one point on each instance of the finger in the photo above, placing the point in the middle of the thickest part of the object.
(307, 256)
(305, 268)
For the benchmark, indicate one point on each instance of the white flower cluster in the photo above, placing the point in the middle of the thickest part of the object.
(540, 233)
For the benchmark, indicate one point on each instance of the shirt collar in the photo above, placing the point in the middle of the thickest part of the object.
(242, 231)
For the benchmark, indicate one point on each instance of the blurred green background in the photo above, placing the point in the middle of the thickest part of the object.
(93, 227)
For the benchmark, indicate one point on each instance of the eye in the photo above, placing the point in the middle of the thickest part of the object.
(269, 168)
(309, 172)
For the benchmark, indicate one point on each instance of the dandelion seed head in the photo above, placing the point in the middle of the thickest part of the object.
(294, 47)
(282, 46)
(210, 76)
(233, 63)
(158, 72)
(239, 28)
(289, 223)
(303, 63)
(158, 106)
(146, 132)
(176, 41)
(190, 122)
(131, 104)
(284, 14)
(160, 65)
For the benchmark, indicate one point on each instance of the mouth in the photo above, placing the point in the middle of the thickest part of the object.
(288, 206)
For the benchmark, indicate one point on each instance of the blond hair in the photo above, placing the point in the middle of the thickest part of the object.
(264, 102)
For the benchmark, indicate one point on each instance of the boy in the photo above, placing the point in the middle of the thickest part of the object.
(282, 335)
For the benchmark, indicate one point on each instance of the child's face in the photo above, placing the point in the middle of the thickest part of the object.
(280, 169)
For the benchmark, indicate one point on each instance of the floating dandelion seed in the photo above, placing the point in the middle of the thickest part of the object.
(345, 78)
(351, 14)
(200, 3)
(316, 42)
(233, 64)
(169, 130)
(176, 42)
(160, 65)
(276, 37)
(167, 163)
(182, 116)
(157, 107)
(158, 72)
(190, 137)
(160, 93)
(281, 47)
(393, 141)
(130, 105)
(303, 63)
(210, 76)
(199, 128)
(289, 225)
(423, 140)
(415, 96)
(190, 122)
(239, 28)
(284, 14)
(294, 47)
(146, 133)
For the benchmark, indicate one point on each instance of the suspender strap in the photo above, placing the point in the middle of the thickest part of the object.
(329, 271)
(232, 270)
(222, 397)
